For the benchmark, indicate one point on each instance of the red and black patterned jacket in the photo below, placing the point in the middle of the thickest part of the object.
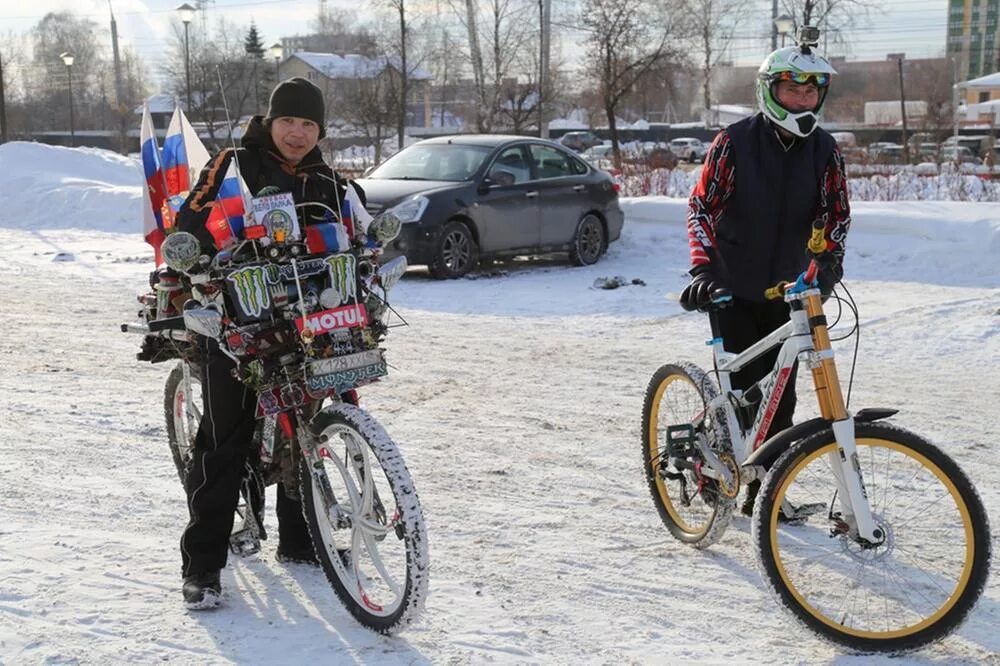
(752, 210)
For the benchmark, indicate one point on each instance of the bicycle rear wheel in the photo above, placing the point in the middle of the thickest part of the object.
(694, 507)
(365, 519)
(916, 586)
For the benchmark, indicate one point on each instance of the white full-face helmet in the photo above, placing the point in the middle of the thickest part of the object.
(801, 65)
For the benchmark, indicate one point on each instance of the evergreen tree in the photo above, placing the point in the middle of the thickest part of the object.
(252, 43)
(254, 48)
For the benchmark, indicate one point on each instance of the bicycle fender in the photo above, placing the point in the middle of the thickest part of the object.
(769, 451)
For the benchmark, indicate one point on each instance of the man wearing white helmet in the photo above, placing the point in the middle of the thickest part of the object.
(766, 179)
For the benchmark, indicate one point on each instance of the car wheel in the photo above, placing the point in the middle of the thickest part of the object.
(456, 254)
(589, 243)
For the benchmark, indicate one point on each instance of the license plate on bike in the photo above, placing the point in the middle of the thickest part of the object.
(342, 373)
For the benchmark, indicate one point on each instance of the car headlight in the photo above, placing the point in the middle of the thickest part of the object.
(410, 210)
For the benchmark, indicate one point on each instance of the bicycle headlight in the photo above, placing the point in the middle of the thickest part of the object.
(410, 210)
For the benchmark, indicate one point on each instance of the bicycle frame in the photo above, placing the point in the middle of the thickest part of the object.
(804, 338)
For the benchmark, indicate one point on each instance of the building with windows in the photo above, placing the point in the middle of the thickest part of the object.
(973, 46)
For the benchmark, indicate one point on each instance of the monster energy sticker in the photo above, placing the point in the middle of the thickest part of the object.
(325, 366)
(344, 380)
(342, 276)
(306, 268)
(250, 288)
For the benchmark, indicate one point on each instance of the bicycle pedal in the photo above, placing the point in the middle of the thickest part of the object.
(797, 515)
(244, 542)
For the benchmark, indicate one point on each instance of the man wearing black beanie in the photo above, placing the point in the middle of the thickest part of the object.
(279, 153)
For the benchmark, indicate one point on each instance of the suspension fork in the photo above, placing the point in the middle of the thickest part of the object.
(844, 463)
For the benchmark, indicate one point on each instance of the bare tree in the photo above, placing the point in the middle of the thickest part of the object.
(47, 84)
(711, 23)
(836, 18)
(626, 41)
(519, 103)
(221, 76)
(498, 39)
(369, 107)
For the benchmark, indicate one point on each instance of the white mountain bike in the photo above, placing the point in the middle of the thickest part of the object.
(867, 533)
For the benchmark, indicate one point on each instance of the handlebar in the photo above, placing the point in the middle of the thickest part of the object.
(807, 279)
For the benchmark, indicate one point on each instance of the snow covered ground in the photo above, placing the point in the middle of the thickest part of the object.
(516, 399)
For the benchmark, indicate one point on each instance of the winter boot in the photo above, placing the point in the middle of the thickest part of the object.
(288, 555)
(202, 591)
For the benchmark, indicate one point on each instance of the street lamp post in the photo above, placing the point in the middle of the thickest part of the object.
(67, 59)
(276, 51)
(784, 25)
(186, 13)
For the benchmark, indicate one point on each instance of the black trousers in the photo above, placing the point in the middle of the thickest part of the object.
(741, 325)
(221, 458)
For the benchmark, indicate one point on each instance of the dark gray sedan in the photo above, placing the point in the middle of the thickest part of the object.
(471, 197)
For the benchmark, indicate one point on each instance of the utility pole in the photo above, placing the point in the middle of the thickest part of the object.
(119, 87)
(545, 40)
(774, 26)
(902, 108)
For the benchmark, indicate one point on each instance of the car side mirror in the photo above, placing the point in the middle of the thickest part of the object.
(501, 178)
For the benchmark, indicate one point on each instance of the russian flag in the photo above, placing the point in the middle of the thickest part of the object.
(154, 193)
(184, 155)
(326, 237)
(227, 219)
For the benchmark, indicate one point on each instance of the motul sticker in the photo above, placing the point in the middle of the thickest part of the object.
(347, 316)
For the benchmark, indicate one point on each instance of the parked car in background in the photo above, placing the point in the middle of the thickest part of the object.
(471, 197)
(580, 141)
(977, 144)
(960, 154)
(598, 156)
(688, 148)
(885, 153)
(925, 152)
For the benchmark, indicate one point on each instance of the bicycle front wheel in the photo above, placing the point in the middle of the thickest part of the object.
(914, 587)
(182, 412)
(365, 519)
(694, 507)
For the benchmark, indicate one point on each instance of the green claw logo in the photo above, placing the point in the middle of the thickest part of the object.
(342, 270)
(251, 289)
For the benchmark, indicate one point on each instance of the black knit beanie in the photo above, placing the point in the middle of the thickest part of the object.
(299, 98)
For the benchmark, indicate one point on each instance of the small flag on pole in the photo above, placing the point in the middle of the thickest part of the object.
(227, 219)
(154, 193)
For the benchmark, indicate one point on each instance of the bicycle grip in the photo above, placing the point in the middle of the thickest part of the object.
(776, 292)
(817, 241)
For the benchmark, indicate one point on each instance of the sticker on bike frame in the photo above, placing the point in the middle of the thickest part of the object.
(348, 316)
(325, 366)
(280, 398)
(345, 380)
(772, 407)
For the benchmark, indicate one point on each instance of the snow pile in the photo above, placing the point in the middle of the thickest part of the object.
(61, 188)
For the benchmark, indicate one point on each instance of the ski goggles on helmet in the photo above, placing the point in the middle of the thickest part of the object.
(819, 79)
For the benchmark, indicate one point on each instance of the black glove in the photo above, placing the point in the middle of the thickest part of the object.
(698, 294)
(831, 270)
